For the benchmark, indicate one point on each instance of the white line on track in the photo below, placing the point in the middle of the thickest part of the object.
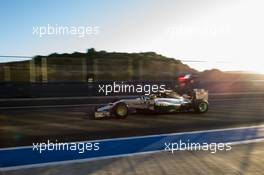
(107, 157)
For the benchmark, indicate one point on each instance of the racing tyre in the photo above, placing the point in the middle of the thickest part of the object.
(120, 110)
(201, 106)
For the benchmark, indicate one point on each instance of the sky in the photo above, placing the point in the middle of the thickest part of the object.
(223, 34)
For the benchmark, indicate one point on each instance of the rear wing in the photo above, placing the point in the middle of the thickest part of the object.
(200, 94)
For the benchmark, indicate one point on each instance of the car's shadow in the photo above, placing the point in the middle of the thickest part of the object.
(141, 114)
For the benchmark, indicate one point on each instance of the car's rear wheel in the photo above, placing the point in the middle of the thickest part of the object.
(201, 106)
(121, 110)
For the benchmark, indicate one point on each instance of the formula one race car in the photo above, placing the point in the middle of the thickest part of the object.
(162, 102)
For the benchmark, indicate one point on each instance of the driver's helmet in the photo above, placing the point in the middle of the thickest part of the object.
(152, 96)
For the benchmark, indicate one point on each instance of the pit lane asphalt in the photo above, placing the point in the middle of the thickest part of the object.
(23, 126)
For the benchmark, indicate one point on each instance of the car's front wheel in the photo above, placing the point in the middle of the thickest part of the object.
(201, 106)
(120, 110)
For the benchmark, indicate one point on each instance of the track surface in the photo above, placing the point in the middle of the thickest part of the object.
(243, 159)
(24, 126)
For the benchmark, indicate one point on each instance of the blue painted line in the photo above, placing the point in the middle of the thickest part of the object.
(21, 156)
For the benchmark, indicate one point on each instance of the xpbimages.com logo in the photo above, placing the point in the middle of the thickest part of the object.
(192, 146)
(79, 31)
(147, 89)
(79, 147)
